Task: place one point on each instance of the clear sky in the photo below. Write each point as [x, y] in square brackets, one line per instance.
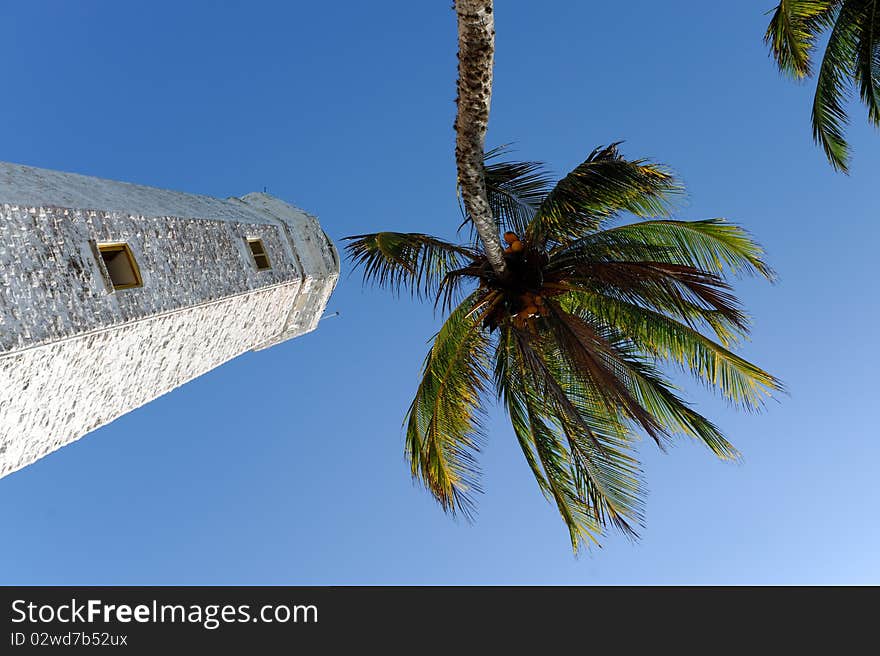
[286, 466]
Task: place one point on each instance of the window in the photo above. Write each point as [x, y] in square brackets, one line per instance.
[261, 259]
[120, 265]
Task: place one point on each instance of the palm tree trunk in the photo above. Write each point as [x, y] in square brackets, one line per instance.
[476, 53]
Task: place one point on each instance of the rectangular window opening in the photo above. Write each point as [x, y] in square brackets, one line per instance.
[261, 259]
[121, 265]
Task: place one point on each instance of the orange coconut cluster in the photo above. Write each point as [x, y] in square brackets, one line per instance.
[531, 303]
[514, 245]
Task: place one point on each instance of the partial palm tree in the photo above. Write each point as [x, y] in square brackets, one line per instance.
[574, 337]
[851, 58]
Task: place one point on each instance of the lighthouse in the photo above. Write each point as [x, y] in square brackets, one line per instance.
[112, 294]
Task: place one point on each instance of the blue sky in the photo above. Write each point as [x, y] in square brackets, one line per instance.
[286, 466]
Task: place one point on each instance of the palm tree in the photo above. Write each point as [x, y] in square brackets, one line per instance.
[852, 57]
[572, 337]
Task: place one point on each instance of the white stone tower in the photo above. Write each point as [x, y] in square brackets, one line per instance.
[112, 294]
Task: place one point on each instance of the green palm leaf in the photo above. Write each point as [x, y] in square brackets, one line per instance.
[542, 446]
[793, 31]
[603, 186]
[584, 347]
[650, 394]
[868, 59]
[444, 422]
[684, 292]
[600, 481]
[515, 190]
[833, 88]
[412, 261]
[657, 396]
[710, 244]
[655, 333]
[852, 56]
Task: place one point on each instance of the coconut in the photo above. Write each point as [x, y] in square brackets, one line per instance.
[510, 237]
[517, 246]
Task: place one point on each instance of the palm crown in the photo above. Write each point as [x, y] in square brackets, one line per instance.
[852, 56]
[572, 336]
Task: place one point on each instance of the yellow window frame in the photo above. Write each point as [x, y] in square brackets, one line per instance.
[259, 254]
[125, 249]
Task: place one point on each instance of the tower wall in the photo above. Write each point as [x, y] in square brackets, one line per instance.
[75, 353]
[54, 286]
[316, 256]
[52, 394]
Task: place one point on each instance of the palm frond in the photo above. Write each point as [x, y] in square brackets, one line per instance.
[652, 395]
[515, 190]
[585, 347]
[604, 185]
[868, 59]
[601, 443]
[793, 30]
[833, 88]
[450, 289]
[444, 424]
[508, 376]
[545, 453]
[657, 396]
[710, 245]
[660, 336]
[603, 479]
[681, 291]
[412, 261]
